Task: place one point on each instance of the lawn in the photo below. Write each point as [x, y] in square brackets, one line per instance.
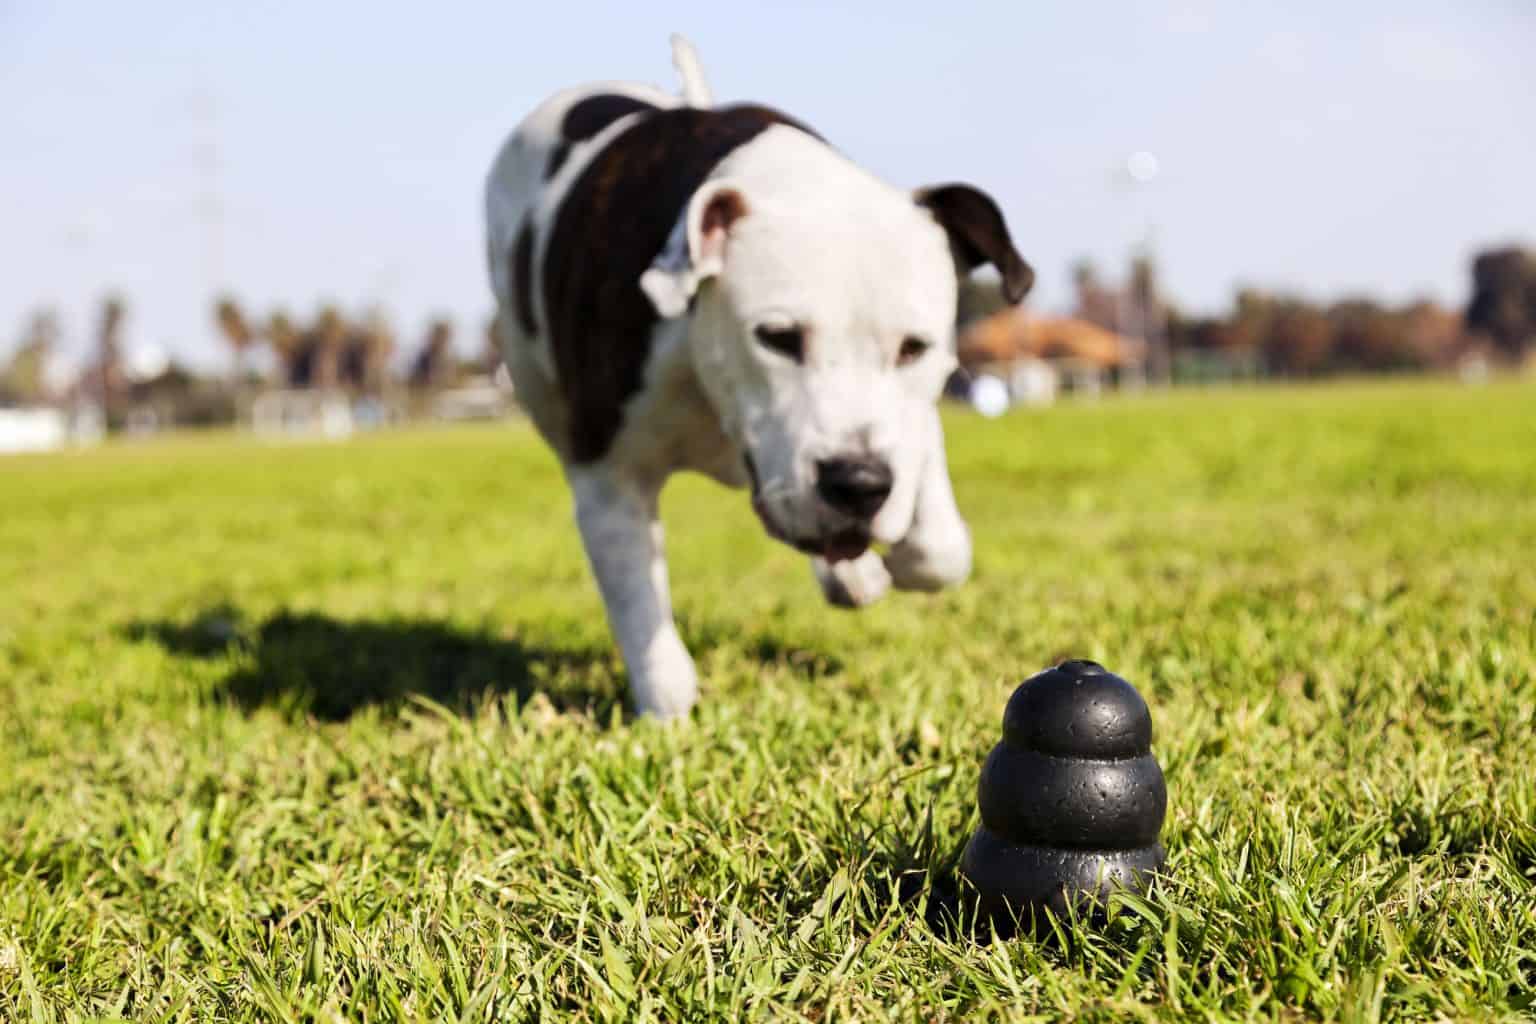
[336, 732]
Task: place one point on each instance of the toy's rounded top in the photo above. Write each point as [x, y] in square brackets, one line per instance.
[1078, 709]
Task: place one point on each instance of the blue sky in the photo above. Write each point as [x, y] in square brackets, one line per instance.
[302, 152]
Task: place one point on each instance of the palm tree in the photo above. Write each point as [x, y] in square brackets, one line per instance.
[376, 343]
[327, 337]
[109, 345]
[490, 359]
[25, 380]
[283, 338]
[236, 330]
[432, 366]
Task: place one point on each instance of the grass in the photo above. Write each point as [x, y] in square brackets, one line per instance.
[329, 733]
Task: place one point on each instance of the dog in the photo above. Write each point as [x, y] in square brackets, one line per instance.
[685, 286]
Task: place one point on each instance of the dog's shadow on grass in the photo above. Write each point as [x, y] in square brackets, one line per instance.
[307, 663]
[313, 664]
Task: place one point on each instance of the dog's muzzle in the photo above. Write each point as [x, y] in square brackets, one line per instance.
[856, 487]
[854, 490]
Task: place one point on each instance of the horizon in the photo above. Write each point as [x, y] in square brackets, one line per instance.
[292, 156]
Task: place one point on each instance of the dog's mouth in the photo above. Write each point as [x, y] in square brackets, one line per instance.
[839, 546]
[845, 545]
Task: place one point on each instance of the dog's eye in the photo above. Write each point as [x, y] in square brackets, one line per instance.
[911, 351]
[786, 341]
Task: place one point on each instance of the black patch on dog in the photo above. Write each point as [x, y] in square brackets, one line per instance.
[556, 160]
[610, 226]
[586, 118]
[522, 277]
[592, 114]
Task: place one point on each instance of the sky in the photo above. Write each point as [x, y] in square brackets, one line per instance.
[299, 153]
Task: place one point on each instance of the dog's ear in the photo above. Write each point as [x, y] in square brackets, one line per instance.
[695, 251]
[978, 234]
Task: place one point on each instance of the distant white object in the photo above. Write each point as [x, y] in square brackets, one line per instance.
[336, 417]
[480, 399]
[87, 424]
[989, 395]
[61, 370]
[146, 362]
[1141, 166]
[32, 430]
[502, 378]
[1474, 369]
[1034, 382]
[302, 414]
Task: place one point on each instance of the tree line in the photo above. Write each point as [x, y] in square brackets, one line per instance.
[329, 350]
[1283, 334]
[1295, 336]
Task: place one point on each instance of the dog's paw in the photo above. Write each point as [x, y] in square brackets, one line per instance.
[854, 582]
[930, 566]
[664, 685]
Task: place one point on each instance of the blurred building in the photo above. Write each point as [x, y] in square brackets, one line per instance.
[1040, 357]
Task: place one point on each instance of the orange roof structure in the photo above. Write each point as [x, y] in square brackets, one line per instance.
[1013, 334]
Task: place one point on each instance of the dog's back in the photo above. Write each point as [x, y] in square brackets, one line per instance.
[544, 154]
[523, 193]
[580, 201]
[537, 164]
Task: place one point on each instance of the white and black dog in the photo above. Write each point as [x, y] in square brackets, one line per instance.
[686, 286]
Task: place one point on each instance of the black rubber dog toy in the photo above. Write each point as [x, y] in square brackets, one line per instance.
[1072, 800]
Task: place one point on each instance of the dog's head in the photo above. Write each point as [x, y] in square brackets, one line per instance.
[822, 309]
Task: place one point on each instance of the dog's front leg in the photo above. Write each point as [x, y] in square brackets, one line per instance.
[622, 534]
[936, 552]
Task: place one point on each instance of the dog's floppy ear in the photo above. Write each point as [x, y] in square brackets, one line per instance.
[978, 234]
[695, 251]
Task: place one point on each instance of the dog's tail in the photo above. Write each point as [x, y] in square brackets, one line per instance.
[686, 59]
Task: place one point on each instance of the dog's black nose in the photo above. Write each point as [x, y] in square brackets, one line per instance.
[856, 486]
